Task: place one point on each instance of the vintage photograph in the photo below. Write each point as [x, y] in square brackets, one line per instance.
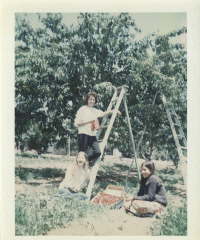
[101, 124]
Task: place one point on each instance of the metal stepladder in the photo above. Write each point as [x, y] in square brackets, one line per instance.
[118, 96]
[178, 135]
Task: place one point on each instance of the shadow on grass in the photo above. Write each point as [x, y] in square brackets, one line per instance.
[114, 175]
[171, 178]
[32, 173]
[34, 184]
[168, 171]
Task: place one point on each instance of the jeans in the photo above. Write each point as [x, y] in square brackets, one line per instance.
[67, 193]
[89, 145]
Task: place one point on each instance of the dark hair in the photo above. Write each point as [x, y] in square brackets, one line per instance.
[150, 165]
[88, 95]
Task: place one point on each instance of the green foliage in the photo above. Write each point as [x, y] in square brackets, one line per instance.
[56, 66]
[173, 222]
[37, 214]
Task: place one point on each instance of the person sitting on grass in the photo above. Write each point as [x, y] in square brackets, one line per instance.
[151, 198]
[76, 178]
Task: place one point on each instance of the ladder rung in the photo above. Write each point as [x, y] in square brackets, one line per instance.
[181, 136]
[183, 147]
[177, 124]
[124, 86]
[173, 113]
[114, 100]
[105, 126]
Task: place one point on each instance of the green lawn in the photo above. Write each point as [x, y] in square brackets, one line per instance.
[38, 211]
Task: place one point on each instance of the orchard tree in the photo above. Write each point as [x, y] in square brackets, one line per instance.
[42, 92]
[57, 65]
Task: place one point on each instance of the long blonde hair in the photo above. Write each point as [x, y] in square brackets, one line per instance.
[75, 163]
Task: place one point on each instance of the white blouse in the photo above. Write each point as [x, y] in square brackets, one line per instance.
[86, 114]
[76, 178]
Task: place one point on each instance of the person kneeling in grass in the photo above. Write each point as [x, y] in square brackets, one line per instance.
[76, 178]
[151, 198]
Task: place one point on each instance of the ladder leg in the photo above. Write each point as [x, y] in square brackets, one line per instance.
[132, 138]
[140, 140]
[180, 127]
[92, 179]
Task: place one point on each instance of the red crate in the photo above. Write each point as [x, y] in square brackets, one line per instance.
[111, 195]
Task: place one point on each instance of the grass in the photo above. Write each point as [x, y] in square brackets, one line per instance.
[36, 214]
[172, 223]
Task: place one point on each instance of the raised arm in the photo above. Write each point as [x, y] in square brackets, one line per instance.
[81, 123]
[108, 112]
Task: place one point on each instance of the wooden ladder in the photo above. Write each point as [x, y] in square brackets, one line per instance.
[178, 135]
[118, 96]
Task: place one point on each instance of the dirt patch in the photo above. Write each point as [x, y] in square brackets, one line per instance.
[112, 223]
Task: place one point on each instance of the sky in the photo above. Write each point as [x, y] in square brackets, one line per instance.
[147, 22]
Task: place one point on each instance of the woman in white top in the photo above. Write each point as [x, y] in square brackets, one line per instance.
[86, 121]
[76, 178]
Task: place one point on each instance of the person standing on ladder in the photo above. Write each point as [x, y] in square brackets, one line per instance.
[86, 121]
